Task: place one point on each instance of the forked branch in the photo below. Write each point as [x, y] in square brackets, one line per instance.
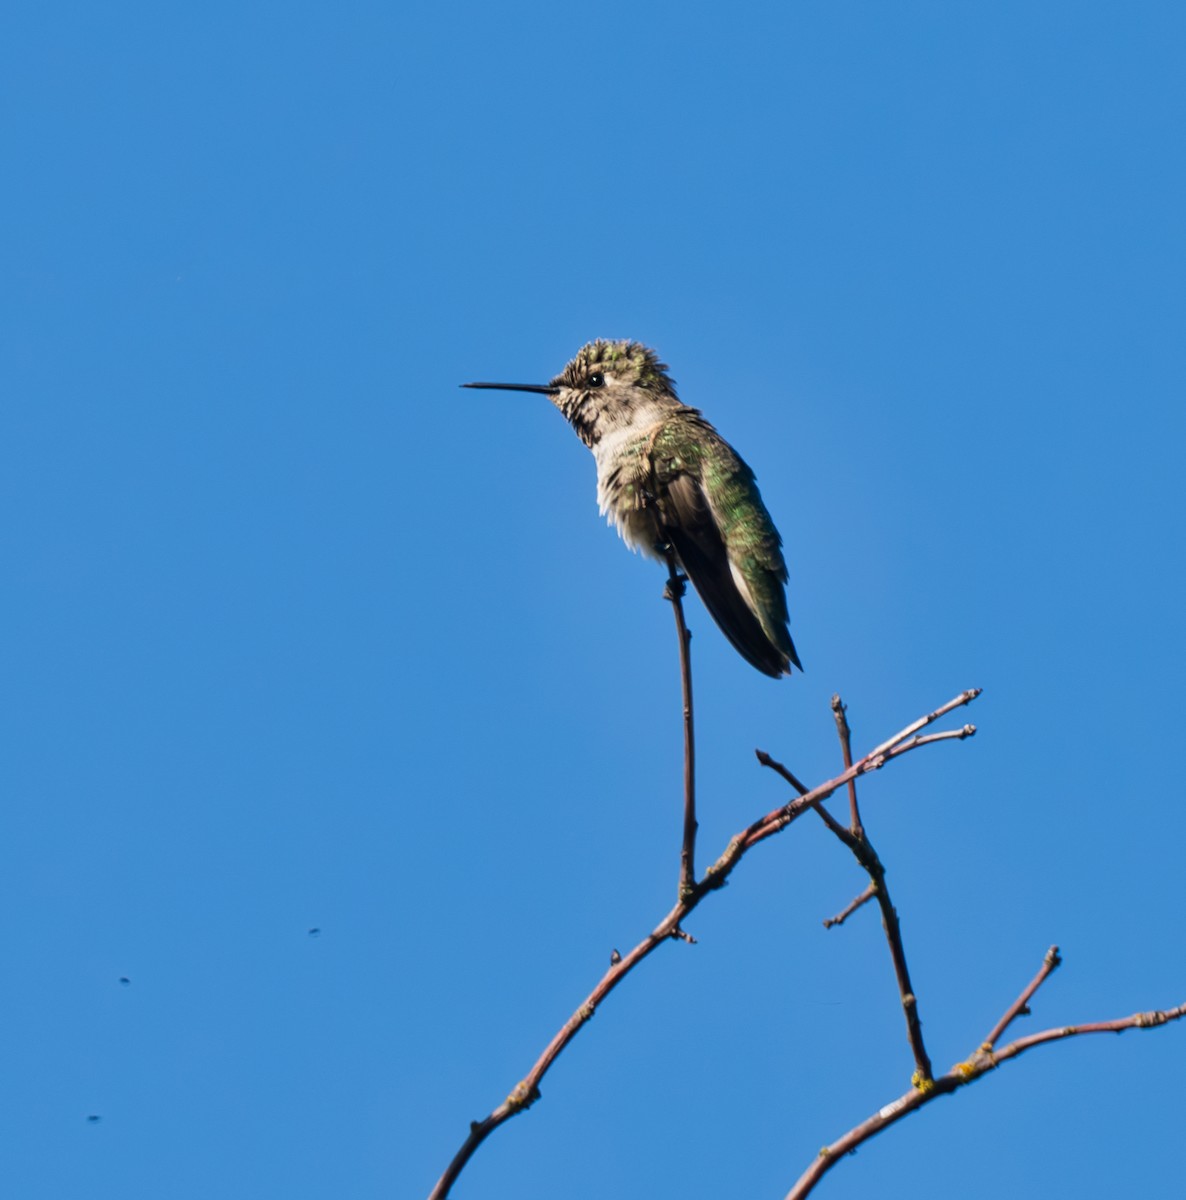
[526, 1092]
[862, 849]
[984, 1059]
[857, 840]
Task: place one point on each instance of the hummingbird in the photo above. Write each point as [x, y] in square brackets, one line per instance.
[672, 485]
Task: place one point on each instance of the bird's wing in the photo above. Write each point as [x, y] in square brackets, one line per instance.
[692, 528]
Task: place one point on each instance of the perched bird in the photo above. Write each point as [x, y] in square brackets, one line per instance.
[667, 479]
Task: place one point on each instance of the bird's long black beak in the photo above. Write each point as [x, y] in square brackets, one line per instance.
[547, 389]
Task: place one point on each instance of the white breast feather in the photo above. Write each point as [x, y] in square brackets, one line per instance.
[636, 526]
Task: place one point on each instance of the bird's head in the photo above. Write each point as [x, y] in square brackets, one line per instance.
[605, 380]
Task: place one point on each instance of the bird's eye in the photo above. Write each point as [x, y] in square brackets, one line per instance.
[597, 379]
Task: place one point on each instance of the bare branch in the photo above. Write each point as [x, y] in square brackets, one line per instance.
[893, 748]
[839, 711]
[526, 1092]
[949, 735]
[893, 935]
[865, 854]
[922, 722]
[851, 907]
[779, 769]
[829, 820]
[1020, 1006]
[687, 859]
[924, 1087]
[857, 840]
[980, 1063]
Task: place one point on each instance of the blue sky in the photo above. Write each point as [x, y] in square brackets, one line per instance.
[299, 635]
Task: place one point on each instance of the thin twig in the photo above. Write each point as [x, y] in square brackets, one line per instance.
[980, 1063]
[851, 907]
[839, 711]
[526, 1092]
[956, 735]
[777, 767]
[1020, 1006]
[895, 747]
[687, 858]
[922, 722]
[893, 935]
[858, 842]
